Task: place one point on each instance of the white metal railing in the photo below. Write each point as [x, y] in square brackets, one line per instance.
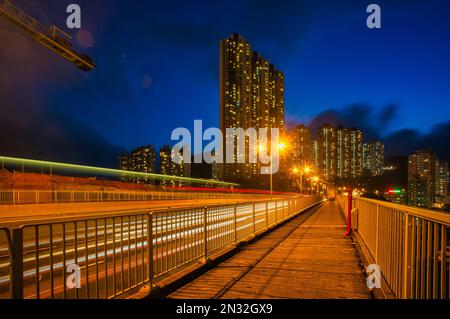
[115, 253]
[410, 245]
[23, 197]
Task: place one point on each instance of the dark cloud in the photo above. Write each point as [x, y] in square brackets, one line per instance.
[357, 115]
[375, 125]
[30, 127]
[388, 114]
[404, 142]
[34, 131]
[23, 61]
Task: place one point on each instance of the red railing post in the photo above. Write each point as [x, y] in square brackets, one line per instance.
[349, 212]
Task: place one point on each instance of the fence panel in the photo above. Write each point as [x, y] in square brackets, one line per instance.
[5, 263]
[106, 256]
[411, 246]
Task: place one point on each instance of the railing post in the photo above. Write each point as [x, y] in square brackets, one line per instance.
[205, 230]
[276, 211]
[349, 213]
[150, 249]
[17, 264]
[407, 261]
[290, 212]
[254, 219]
[377, 234]
[235, 222]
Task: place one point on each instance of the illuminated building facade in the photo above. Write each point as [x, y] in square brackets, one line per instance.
[251, 96]
[327, 151]
[343, 152]
[301, 148]
[373, 160]
[315, 153]
[396, 196]
[356, 152]
[170, 168]
[422, 179]
[442, 178]
[340, 152]
[140, 160]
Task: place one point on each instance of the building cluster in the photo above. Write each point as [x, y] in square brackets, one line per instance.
[337, 153]
[143, 160]
[428, 179]
[251, 96]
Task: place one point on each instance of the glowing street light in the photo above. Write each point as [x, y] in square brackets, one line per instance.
[261, 148]
[306, 170]
[281, 147]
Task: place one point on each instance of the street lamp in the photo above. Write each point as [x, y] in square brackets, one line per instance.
[304, 171]
[281, 147]
[315, 180]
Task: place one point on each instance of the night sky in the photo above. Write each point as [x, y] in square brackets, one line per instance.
[157, 69]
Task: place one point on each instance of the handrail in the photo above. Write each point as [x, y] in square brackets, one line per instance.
[23, 197]
[117, 253]
[410, 245]
[415, 211]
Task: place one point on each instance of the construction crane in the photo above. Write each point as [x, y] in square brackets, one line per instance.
[51, 37]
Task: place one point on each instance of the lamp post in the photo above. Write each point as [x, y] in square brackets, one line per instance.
[306, 171]
[281, 147]
[315, 180]
[296, 171]
[301, 172]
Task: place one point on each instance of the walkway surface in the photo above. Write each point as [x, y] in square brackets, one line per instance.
[315, 260]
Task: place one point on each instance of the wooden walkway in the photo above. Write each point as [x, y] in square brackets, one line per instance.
[315, 260]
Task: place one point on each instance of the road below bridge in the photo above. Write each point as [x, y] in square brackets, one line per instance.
[16, 215]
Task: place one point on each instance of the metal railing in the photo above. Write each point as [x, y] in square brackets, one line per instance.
[5, 261]
[410, 245]
[107, 256]
[24, 197]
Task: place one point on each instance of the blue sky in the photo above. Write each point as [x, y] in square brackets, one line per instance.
[157, 65]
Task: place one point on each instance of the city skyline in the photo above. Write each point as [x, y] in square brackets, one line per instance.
[224, 150]
[82, 109]
[251, 97]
